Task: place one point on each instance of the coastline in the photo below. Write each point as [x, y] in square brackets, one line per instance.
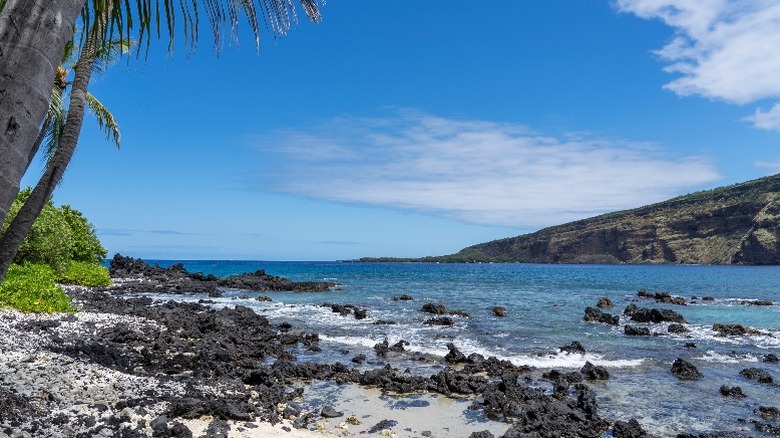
[193, 366]
[126, 366]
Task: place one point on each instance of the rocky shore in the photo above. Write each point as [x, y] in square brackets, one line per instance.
[129, 366]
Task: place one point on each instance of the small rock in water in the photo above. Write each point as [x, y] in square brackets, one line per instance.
[677, 328]
[734, 330]
[482, 434]
[762, 376]
[756, 302]
[604, 303]
[440, 320]
[359, 359]
[382, 425]
[329, 412]
[403, 297]
[768, 413]
[628, 429]
[436, 309]
[631, 330]
[770, 358]
[499, 311]
[574, 347]
[593, 372]
[593, 314]
[685, 370]
[732, 392]
[689, 345]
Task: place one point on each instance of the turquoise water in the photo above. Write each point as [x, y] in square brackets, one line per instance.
[545, 305]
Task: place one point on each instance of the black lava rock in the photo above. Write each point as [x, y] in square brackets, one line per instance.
[631, 330]
[735, 392]
[593, 314]
[762, 376]
[593, 372]
[628, 429]
[685, 370]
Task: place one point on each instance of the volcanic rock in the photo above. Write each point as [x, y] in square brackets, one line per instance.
[685, 370]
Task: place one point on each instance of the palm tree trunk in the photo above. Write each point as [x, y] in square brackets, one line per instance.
[33, 34]
[22, 223]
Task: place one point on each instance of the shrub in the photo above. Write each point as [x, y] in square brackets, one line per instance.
[57, 236]
[31, 288]
[86, 274]
[86, 246]
[49, 241]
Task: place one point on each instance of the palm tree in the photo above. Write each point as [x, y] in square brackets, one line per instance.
[34, 34]
[59, 154]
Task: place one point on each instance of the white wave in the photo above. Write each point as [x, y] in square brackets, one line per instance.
[421, 344]
[705, 333]
[713, 356]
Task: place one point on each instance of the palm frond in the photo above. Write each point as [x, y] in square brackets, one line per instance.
[106, 121]
[53, 135]
[142, 20]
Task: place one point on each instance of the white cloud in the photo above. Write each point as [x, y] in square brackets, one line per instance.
[723, 49]
[475, 171]
[769, 120]
[773, 165]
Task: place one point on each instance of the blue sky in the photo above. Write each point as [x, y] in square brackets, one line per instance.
[419, 128]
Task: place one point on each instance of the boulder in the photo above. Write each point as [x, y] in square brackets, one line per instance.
[593, 314]
[685, 370]
[574, 347]
[628, 429]
[639, 314]
[329, 412]
[604, 303]
[756, 302]
[436, 309]
[631, 330]
[770, 358]
[762, 376]
[677, 328]
[593, 372]
[768, 413]
[454, 356]
[735, 392]
[403, 297]
[439, 320]
[734, 330]
[499, 311]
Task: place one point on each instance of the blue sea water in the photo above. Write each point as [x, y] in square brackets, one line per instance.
[545, 305]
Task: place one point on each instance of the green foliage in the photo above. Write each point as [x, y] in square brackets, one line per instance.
[57, 237]
[86, 274]
[31, 288]
[86, 246]
[49, 241]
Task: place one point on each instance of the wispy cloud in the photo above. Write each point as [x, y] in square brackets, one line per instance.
[338, 242]
[773, 165]
[722, 49]
[131, 231]
[475, 171]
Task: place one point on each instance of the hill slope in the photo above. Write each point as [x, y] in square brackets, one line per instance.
[737, 224]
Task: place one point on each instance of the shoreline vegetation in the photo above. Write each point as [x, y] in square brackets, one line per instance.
[127, 365]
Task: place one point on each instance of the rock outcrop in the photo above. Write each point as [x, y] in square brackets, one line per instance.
[738, 224]
[135, 275]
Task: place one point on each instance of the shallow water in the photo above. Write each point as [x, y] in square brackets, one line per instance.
[545, 305]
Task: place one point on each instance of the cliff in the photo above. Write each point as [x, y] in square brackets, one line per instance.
[737, 224]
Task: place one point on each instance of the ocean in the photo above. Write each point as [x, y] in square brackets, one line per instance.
[545, 306]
